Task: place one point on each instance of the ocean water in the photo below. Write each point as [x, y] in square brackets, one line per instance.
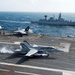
[13, 20]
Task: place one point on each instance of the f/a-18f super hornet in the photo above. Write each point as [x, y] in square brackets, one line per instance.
[30, 51]
[22, 32]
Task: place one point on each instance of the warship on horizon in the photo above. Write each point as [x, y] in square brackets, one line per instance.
[55, 22]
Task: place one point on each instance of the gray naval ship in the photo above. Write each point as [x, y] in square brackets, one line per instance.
[55, 22]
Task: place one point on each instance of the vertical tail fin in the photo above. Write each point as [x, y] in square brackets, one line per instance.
[25, 46]
[27, 28]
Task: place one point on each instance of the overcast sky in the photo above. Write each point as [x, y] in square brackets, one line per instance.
[38, 5]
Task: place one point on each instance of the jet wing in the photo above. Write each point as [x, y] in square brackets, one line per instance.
[22, 32]
[31, 52]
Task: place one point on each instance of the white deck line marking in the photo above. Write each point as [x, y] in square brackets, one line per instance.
[26, 73]
[6, 43]
[63, 47]
[16, 43]
[68, 73]
[4, 70]
[35, 67]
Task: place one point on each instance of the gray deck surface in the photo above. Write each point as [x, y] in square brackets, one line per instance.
[56, 60]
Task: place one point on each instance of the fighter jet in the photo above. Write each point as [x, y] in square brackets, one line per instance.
[22, 32]
[30, 51]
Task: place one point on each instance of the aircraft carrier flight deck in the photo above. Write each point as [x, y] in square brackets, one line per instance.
[61, 60]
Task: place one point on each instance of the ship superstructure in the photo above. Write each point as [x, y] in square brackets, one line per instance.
[52, 21]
